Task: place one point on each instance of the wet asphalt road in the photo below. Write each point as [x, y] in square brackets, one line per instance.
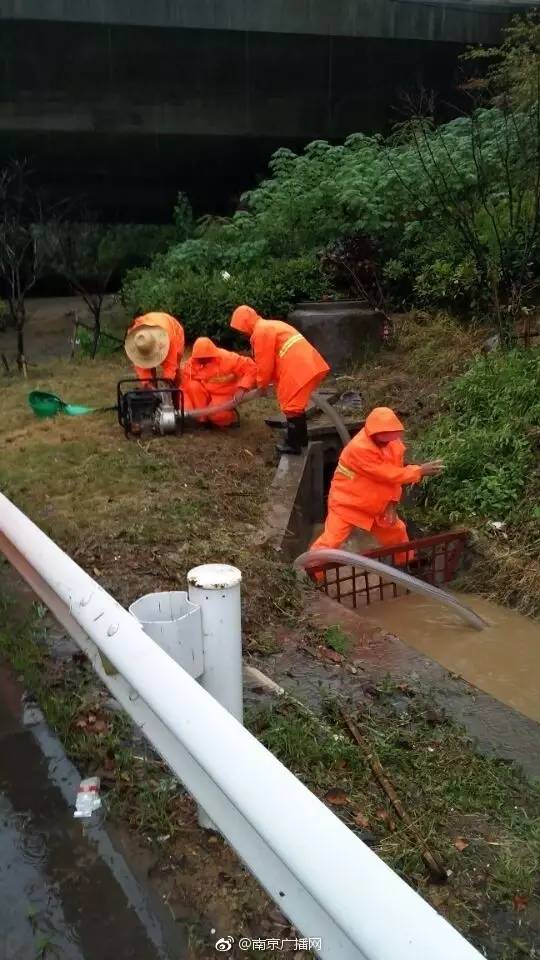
[66, 891]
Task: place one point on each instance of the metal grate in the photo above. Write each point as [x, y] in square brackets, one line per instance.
[436, 560]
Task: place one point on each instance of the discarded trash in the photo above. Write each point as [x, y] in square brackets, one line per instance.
[497, 527]
[88, 798]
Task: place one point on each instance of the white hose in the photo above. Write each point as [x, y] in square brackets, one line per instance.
[314, 558]
[222, 407]
[255, 395]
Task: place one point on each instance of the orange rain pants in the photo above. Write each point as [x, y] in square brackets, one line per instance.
[336, 531]
[283, 357]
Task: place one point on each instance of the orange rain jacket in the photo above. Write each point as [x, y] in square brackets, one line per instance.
[171, 365]
[368, 478]
[226, 373]
[217, 381]
[283, 357]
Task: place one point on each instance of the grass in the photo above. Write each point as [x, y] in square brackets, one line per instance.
[429, 353]
[142, 514]
[452, 793]
[336, 639]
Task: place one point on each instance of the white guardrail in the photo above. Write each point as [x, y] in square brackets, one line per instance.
[332, 887]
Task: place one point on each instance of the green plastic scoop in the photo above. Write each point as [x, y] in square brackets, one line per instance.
[48, 405]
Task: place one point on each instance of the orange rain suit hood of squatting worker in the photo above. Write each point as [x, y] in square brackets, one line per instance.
[285, 358]
[214, 375]
[367, 485]
[156, 340]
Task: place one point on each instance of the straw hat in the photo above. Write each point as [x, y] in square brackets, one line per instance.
[147, 346]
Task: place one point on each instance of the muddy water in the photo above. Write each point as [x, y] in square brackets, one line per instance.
[66, 890]
[502, 660]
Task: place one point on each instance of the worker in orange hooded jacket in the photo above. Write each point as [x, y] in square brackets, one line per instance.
[213, 376]
[285, 358]
[156, 340]
[367, 485]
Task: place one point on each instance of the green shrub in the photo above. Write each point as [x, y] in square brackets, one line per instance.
[205, 301]
[85, 344]
[487, 441]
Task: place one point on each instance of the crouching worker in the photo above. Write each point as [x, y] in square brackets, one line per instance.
[367, 485]
[156, 340]
[285, 358]
[213, 376]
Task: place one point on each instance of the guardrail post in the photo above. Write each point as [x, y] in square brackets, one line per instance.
[215, 588]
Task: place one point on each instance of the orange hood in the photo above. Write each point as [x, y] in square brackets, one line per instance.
[244, 319]
[204, 349]
[382, 420]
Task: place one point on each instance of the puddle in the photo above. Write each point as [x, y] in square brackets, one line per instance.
[502, 660]
[66, 890]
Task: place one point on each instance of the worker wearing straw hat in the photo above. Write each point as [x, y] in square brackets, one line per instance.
[156, 340]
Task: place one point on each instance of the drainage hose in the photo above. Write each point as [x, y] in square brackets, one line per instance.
[314, 558]
[322, 404]
[334, 416]
[222, 407]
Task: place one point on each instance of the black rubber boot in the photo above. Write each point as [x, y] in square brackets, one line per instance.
[302, 429]
[292, 443]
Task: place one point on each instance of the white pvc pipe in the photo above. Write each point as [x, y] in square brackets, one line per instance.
[369, 913]
[215, 588]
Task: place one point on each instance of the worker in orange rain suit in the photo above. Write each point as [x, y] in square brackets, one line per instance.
[286, 359]
[214, 375]
[367, 484]
[156, 340]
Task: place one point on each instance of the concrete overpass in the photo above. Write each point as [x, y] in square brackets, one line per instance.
[129, 100]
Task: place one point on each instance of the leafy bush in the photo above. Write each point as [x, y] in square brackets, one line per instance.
[486, 437]
[205, 301]
[85, 344]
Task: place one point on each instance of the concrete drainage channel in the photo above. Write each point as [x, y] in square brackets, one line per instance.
[352, 599]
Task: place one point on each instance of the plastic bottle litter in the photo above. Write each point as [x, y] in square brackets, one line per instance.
[88, 798]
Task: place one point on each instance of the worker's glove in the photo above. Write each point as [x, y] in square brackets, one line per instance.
[239, 395]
